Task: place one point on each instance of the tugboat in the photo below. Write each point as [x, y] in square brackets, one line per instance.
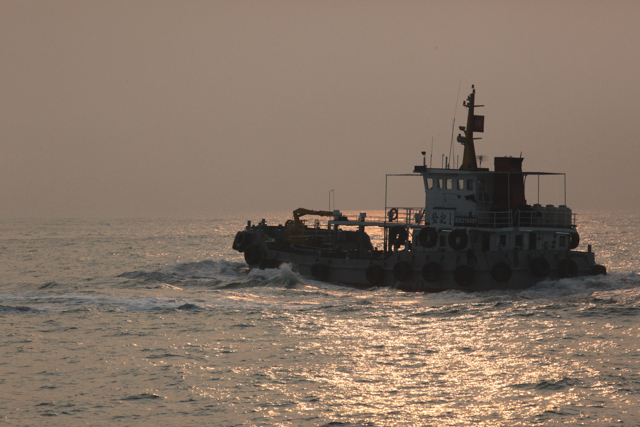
[475, 232]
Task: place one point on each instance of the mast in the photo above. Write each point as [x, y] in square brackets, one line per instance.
[474, 123]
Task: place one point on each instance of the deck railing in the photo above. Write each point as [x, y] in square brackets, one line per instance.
[546, 217]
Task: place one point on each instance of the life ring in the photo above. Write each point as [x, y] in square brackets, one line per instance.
[375, 274]
[598, 270]
[428, 237]
[241, 241]
[398, 235]
[393, 214]
[501, 272]
[458, 239]
[320, 271]
[402, 271]
[568, 268]
[253, 254]
[463, 275]
[431, 271]
[540, 267]
[574, 240]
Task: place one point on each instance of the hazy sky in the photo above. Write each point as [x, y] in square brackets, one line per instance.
[159, 108]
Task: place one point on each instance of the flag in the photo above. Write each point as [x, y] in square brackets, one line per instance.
[478, 123]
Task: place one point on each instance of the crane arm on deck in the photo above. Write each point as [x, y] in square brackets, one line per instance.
[302, 211]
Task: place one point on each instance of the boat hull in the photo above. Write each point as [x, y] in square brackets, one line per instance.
[457, 270]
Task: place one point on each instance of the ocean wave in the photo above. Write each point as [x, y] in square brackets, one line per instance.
[15, 309]
[143, 396]
[211, 285]
[217, 274]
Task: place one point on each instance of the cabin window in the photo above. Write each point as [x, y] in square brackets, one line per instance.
[440, 183]
[461, 184]
[443, 241]
[429, 183]
[469, 184]
[481, 185]
[449, 183]
[503, 240]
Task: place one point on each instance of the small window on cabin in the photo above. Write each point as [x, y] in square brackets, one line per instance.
[461, 184]
[429, 183]
[562, 241]
[443, 241]
[449, 183]
[481, 185]
[440, 183]
[469, 184]
[503, 240]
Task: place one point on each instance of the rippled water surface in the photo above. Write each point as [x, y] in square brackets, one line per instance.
[159, 322]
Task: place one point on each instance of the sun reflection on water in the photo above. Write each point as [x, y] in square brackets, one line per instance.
[392, 369]
[391, 359]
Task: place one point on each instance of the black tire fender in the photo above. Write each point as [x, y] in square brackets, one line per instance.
[431, 271]
[398, 235]
[501, 272]
[428, 237]
[540, 267]
[253, 255]
[266, 263]
[574, 240]
[402, 271]
[236, 240]
[463, 275]
[375, 274]
[458, 239]
[242, 240]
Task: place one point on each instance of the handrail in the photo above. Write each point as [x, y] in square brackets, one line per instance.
[556, 218]
[536, 219]
[416, 217]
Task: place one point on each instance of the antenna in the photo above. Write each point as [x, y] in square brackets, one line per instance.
[453, 125]
[431, 157]
[334, 199]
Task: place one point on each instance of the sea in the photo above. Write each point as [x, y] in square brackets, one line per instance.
[158, 322]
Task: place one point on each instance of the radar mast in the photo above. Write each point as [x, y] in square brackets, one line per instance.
[474, 123]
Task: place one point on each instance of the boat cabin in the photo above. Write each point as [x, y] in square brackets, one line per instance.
[483, 198]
